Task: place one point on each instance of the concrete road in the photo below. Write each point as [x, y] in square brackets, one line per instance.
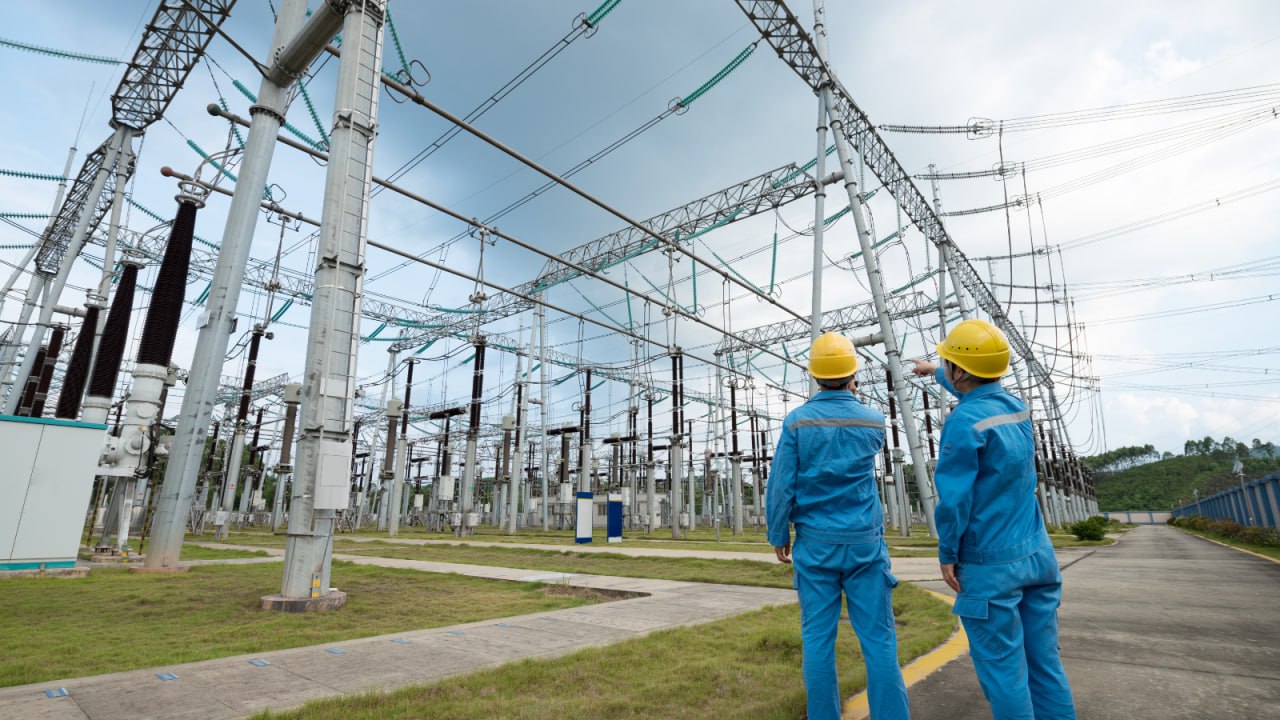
[1160, 625]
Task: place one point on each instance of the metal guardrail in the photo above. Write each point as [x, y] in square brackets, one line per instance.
[1253, 503]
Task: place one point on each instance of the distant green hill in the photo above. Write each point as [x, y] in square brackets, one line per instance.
[1159, 484]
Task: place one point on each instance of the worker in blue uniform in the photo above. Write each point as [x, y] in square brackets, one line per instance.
[993, 548]
[823, 482]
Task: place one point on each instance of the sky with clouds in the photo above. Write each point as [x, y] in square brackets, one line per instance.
[1149, 379]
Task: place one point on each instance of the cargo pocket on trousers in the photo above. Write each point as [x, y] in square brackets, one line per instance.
[991, 628]
[891, 582]
[968, 607]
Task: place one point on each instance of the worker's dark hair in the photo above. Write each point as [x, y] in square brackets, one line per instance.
[979, 380]
[834, 383]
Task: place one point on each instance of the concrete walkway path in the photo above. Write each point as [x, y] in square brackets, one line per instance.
[238, 686]
[1160, 625]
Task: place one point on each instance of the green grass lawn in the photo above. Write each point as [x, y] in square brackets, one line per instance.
[1070, 541]
[115, 620]
[747, 666]
[733, 572]
[1270, 551]
[920, 545]
[196, 552]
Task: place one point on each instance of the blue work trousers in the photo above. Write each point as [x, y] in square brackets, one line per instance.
[861, 571]
[1010, 613]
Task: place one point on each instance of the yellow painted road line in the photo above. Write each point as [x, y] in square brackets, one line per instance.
[958, 644]
[1233, 547]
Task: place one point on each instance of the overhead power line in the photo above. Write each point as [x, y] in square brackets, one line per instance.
[1188, 310]
[979, 127]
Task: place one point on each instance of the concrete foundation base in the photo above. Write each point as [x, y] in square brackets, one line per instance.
[159, 570]
[72, 572]
[334, 600]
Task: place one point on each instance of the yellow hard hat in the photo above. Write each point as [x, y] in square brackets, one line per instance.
[978, 348]
[832, 357]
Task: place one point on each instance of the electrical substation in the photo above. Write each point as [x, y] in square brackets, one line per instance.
[693, 402]
[288, 318]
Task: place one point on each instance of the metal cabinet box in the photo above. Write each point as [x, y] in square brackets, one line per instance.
[49, 466]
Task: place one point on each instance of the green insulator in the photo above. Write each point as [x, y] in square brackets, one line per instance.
[52, 52]
[304, 137]
[395, 40]
[283, 308]
[717, 224]
[222, 102]
[32, 176]
[244, 90]
[315, 117]
[200, 151]
[802, 170]
[689, 99]
[145, 211]
[836, 216]
[599, 13]
[737, 274]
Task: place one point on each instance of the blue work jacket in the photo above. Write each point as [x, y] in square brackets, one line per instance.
[986, 479]
[823, 476]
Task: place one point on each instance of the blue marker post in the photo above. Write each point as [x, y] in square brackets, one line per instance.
[614, 525]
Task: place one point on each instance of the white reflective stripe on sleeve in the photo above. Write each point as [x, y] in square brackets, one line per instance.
[838, 422]
[997, 420]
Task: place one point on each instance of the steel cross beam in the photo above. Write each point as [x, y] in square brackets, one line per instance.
[737, 202]
[780, 27]
[231, 389]
[58, 234]
[862, 314]
[174, 41]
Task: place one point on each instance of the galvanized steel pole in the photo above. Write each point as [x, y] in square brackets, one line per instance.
[218, 321]
[322, 482]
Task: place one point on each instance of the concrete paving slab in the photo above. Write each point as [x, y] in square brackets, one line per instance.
[37, 706]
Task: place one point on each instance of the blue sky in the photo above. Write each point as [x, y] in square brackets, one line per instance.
[916, 62]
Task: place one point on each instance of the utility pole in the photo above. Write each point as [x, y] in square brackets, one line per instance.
[650, 473]
[893, 356]
[674, 456]
[469, 516]
[402, 452]
[735, 456]
[218, 321]
[251, 477]
[284, 468]
[522, 417]
[322, 483]
[819, 215]
[387, 479]
[903, 499]
[237, 439]
[544, 391]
